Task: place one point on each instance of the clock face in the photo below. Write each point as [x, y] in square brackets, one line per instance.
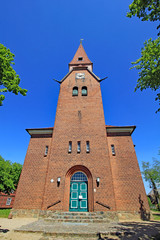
[80, 76]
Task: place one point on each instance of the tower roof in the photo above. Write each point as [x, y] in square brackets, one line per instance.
[80, 59]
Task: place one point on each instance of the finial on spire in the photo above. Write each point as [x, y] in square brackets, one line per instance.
[81, 40]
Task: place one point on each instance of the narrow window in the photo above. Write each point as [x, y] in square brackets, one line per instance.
[113, 150]
[75, 91]
[70, 147]
[84, 91]
[80, 59]
[46, 151]
[8, 201]
[87, 147]
[78, 147]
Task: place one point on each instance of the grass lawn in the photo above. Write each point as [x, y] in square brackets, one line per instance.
[156, 215]
[4, 213]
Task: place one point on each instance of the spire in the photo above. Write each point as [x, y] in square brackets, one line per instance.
[80, 59]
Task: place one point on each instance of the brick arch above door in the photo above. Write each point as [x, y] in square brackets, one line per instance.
[70, 172]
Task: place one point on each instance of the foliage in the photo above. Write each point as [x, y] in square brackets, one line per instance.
[149, 62]
[9, 80]
[145, 9]
[4, 213]
[9, 175]
[152, 175]
[149, 66]
[149, 202]
[151, 172]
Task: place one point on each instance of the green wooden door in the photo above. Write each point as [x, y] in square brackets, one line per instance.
[78, 194]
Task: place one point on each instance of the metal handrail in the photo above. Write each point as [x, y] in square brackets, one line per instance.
[104, 205]
[54, 204]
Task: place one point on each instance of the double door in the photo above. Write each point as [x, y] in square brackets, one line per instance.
[78, 197]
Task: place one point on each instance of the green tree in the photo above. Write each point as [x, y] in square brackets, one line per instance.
[145, 9]
[9, 175]
[149, 62]
[9, 80]
[152, 175]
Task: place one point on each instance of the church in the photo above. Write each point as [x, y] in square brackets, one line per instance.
[81, 164]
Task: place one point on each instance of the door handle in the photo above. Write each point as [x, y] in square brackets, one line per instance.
[80, 197]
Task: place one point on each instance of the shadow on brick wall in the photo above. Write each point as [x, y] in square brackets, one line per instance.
[143, 213]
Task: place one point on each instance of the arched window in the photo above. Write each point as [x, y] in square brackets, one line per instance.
[80, 177]
[75, 91]
[84, 91]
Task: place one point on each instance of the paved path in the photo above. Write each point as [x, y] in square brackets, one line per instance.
[8, 225]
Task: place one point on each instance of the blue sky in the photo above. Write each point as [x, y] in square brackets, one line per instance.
[44, 36]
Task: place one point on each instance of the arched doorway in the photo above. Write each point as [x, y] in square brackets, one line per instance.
[78, 193]
[69, 174]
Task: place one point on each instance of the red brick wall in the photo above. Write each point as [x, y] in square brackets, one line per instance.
[128, 184]
[79, 118]
[30, 189]
[3, 200]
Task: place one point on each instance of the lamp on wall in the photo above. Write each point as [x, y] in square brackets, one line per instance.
[58, 181]
[98, 180]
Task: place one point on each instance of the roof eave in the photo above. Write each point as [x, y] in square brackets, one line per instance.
[39, 131]
[120, 129]
[78, 63]
[80, 68]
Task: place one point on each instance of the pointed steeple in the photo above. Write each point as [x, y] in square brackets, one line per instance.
[80, 59]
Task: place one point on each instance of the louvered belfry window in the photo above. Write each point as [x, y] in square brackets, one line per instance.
[75, 91]
[84, 91]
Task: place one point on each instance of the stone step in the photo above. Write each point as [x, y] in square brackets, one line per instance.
[48, 232]
[83, 216]
[69, 238]
[60, 235]
[80, 220]
[72, 213]
[74, 217]
[77, 230]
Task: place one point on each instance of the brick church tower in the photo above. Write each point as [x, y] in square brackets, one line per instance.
[81, 164]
